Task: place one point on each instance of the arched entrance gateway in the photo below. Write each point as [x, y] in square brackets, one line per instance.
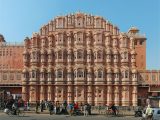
[83, 58]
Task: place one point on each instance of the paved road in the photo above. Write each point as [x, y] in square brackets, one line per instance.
[31, 116]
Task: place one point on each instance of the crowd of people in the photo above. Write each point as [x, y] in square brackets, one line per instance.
[74, 108]
[64, 108]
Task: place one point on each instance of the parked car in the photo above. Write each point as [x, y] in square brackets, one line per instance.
[156, 114]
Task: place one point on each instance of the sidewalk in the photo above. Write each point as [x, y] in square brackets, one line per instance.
[94, 112]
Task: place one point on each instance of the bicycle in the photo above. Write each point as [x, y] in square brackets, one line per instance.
[109, 112]
[20, 111]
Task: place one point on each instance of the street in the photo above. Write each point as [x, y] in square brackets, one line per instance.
[32, 116]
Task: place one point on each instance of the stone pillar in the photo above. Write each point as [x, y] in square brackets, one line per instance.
[116, 96]
[132, 43]
[75, 93]
[50, 93]
[33, 95]
[109, 95]
[134, 96]
[24, 93]
[125, 96]
[96, 95]
[42, 93]
[56, 94]
[70, 95]
[89, 96]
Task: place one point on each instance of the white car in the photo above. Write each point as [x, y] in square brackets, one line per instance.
[156, 114]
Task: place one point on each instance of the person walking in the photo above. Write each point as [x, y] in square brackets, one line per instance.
[114, 109]
[37, 105]
[76, 107]
[25, 105]
[70, 109]
[149, 113]
[65, 107]
[89, 109]
[28, 105]
[85, 110]
[50, 105]
[42, 106]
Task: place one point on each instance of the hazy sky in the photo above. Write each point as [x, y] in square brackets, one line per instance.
[20, 18]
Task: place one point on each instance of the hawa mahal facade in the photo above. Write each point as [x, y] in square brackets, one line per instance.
[84, 58]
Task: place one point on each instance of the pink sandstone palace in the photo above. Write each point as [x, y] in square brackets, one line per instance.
[83, 58]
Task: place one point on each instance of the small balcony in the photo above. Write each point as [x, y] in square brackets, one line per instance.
[79, 60]
[99, 81]
[80, 81]
[60, 81]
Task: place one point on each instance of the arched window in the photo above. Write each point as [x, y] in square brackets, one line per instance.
[50, 75]
[80, 73]
[98, 23]
[125, 74]
[59, 54]
[79, 22]
[125, 55]
[69, 20]
[75, 74]
[115, 56]
[108, 40]
[79, 37]
[100, 74]
[88, 20]
[26, 75]
[79, 54]
[89, 56]
[134, 75]
[125, 42]
[100, 55]
[108, 56]
[43, 74]
[95, 55]
[59, 74]
[60, 38]
[116, 75]
[33, 74]
[60, 23]
[99, 38]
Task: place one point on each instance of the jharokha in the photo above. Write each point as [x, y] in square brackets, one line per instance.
[84, 58]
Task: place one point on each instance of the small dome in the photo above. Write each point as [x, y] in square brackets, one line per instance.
[115, 51]
[133, 52]
[43, 51]
[69, 50]
[49, 69]
[69, 70]
[134, 28]
[49, 51]
[116, 70]
[134, 71]
[33, 68]
[109, 70]
[43, 69]
[108, 51]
